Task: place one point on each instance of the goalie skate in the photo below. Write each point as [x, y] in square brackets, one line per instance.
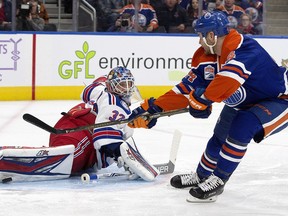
[137, 164]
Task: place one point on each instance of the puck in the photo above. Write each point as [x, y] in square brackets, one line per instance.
[6, 180]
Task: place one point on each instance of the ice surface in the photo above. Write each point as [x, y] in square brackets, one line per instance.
[258, 187]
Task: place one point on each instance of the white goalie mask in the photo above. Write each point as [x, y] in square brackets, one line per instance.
[120, 81]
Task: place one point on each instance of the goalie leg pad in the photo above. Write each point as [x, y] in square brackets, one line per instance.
[137, 164]
[36, 163]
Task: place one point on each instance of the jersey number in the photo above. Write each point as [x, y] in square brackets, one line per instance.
[191, 76]
[116, 116]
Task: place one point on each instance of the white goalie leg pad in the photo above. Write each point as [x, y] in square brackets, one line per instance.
[137, 164]
[36, 163]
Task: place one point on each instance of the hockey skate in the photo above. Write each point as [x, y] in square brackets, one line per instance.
[206, 191]
[185, 180]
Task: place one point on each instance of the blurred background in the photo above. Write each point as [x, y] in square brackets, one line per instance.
[254, 17]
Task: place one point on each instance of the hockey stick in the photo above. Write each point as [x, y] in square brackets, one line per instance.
[39, 123]
[169, 167]
[164, 168]
[87, 177]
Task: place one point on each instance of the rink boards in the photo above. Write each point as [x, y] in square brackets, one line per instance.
[58, 66]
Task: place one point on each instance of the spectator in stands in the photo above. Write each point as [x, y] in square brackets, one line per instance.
[146, 21]
[43, 12]
[126, 24]
[5, 15]
[108, 11]
[232, 11]
[185, 3]
[193, 11]
[249, 3]
[218, 3]
[173, 17]
[207, 5]
[246, 26]
[255, 9]
[28, 17]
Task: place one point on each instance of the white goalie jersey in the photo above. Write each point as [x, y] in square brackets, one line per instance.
[107, 107]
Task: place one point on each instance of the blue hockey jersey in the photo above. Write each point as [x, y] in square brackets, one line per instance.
[243, 75]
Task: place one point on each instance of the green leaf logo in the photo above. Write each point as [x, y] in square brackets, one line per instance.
[85, 54]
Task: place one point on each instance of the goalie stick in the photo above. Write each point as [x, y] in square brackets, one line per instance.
[39, 123]
[164, 168]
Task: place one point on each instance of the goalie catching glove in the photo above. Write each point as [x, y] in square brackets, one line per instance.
[198, 106]
[138, 118]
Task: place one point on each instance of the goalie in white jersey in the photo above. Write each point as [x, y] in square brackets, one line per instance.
[108, 99]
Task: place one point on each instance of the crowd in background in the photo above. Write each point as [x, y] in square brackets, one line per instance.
[31, 15]
[164, 16]
[174, 16]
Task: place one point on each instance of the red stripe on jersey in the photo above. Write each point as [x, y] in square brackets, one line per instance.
[112, 99]
[86, 92]
[234, 69]
[107, 132]
[89, 89]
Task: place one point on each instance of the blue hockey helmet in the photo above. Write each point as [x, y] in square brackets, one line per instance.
[215, 21]
[120, 81]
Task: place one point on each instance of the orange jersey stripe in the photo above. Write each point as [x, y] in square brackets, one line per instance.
[204, 161]
[172, 101]
[230, 44]
[221, 88]
[230, 151]
[235, 8]
[235, 69]
[183, 88]
[270, 128]
[200, 57]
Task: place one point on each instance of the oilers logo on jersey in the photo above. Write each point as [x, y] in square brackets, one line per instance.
[236, 98]
[142, 20]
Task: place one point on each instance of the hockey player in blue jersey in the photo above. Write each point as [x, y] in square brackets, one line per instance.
[234, 69]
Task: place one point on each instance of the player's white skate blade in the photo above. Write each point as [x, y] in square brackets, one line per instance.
[192, 199]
